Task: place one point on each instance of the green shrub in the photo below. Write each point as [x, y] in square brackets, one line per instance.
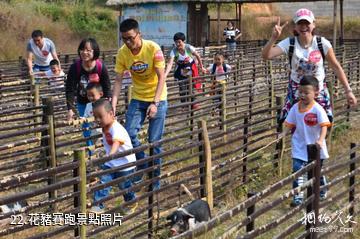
[53, 11]
[89, 22]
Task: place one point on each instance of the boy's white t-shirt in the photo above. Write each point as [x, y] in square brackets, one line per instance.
[219, 71]
[50, 74]
[308, 125]
[306, 61]
[118, 133]
[89, 113]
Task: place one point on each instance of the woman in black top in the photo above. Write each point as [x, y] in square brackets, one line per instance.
[85, 70]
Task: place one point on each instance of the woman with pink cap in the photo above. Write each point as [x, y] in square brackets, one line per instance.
[307, 53]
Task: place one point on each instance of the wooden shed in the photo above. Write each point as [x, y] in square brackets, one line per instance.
[161, 19]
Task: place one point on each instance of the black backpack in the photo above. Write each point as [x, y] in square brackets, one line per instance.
[214, 68]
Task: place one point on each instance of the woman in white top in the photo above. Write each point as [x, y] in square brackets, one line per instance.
[306, 52]
[183, 55]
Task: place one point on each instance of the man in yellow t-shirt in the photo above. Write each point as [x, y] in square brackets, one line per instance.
[145, 60]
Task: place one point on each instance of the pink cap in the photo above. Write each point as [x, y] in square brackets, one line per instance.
[304, 14]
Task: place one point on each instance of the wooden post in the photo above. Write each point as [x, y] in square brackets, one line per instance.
[348, 75]
[238, 80]
[208, 164]
[201, 161]
[24, 69]
[334, 24]
[250, 210]
[352, 181]
[235, 83]
[48, 119]
[280, 145]
[245, 147]
[341, 23]
[1, 73]
[223, 109]
[82, 173]
[358, 69]
[271, 91]
[119, 19]
[240, 13]
[190, 97]
[313, 155]
[218, 23]
[151, 195]
[251, 90]
[67, 58]
[79, 155]
[35, 89]
[331, 88]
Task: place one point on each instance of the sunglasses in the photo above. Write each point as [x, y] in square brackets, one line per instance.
[127, 39]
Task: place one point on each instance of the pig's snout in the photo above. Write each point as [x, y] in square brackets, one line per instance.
[173, 231]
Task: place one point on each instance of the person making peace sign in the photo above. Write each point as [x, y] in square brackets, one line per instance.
[307, 53]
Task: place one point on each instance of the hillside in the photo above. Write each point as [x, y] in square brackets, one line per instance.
[66, 22]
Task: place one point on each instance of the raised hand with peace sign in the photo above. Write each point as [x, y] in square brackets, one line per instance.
[276, 33]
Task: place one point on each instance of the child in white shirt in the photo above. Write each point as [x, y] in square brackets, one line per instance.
[55, 75]
[219, 69]
[310, 122]
[115, 140]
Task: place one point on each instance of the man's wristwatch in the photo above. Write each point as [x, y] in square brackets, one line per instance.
[156, 103]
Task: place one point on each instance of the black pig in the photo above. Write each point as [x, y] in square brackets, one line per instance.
[185, 218]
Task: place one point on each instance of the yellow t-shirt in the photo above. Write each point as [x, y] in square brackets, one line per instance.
[142, 68]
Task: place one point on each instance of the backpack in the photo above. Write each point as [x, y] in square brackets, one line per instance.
[292, 46]
[98, 67]
[214, 68]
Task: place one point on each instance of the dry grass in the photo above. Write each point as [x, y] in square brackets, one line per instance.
[340, 146]
[19, 18]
